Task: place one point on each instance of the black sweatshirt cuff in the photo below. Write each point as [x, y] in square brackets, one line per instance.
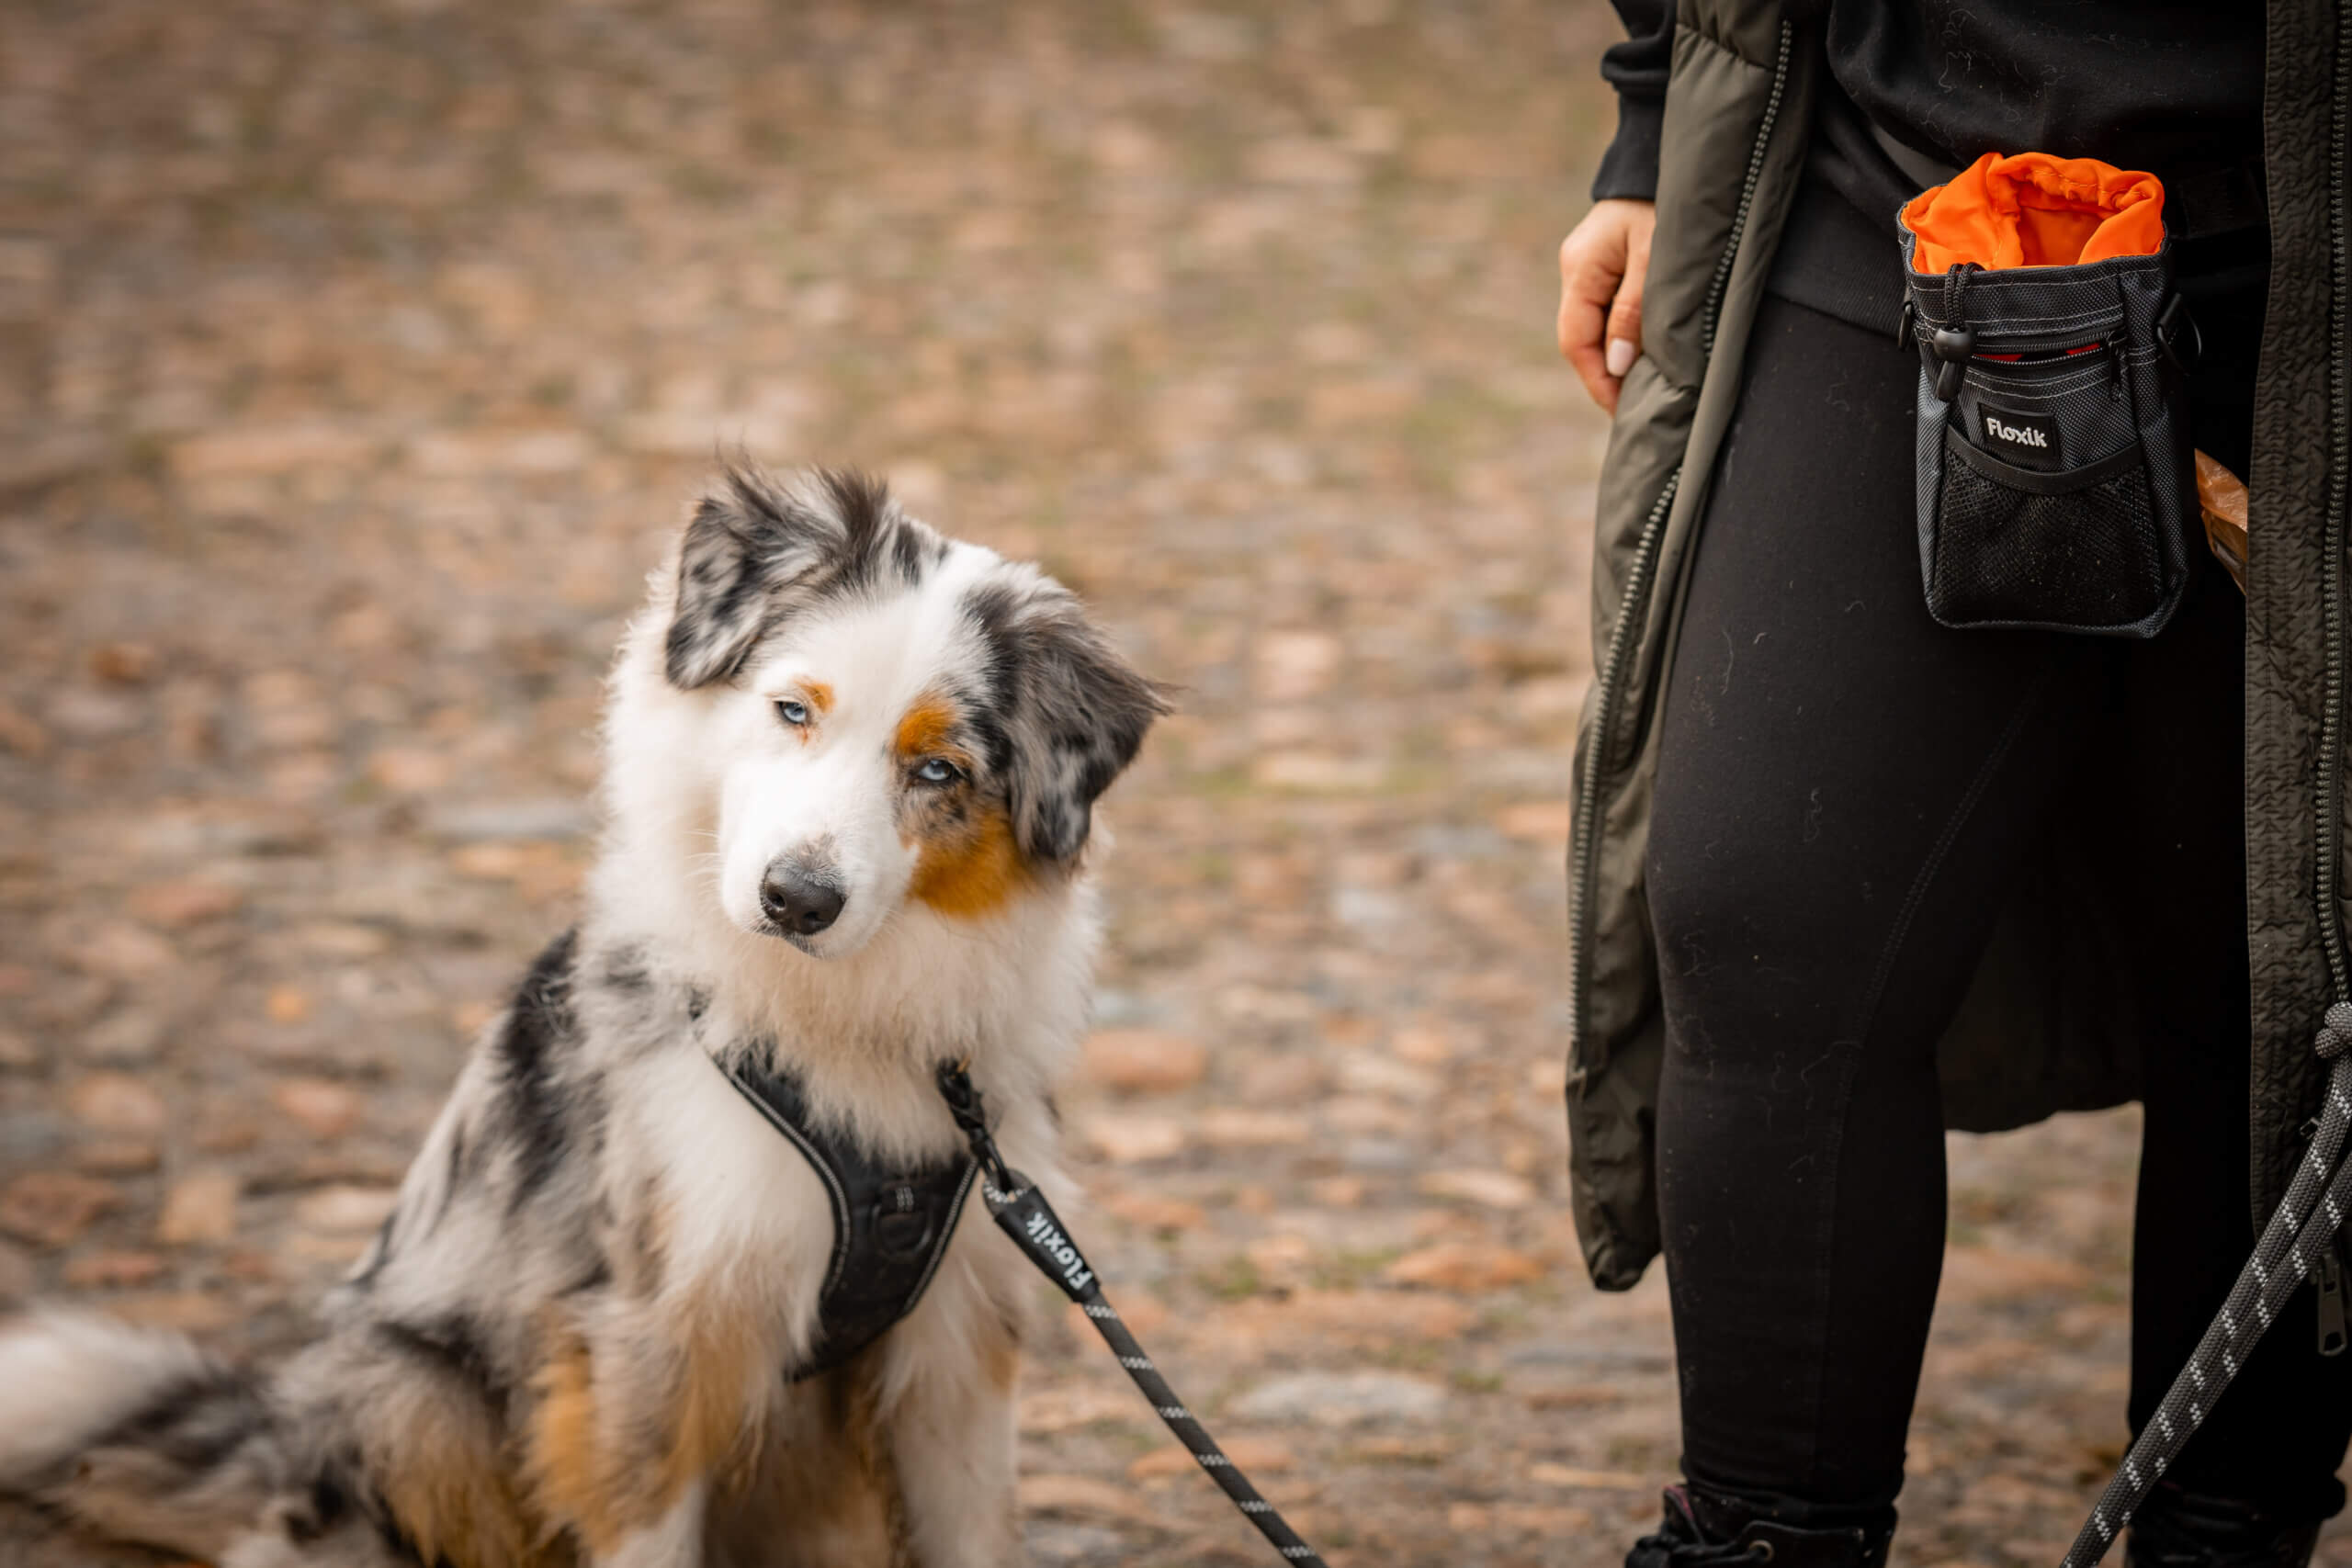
[1630, 167]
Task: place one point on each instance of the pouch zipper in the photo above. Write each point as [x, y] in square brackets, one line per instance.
[1633, 605]
[1956, 345]
[2077, 338]
[2053, 358]
[2077, 335]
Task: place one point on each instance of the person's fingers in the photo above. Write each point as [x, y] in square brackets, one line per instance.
[1603, 264]
[1581, 343]
[1625, 330]
[1587, 286]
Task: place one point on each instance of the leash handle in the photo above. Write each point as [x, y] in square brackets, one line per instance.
[1022, 1212]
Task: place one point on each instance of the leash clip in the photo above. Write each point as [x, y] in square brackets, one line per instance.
[963, 1098]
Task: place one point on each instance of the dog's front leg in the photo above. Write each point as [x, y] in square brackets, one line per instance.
[955, 1447]
[674, 1541]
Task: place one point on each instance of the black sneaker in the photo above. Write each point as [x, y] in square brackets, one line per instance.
[2179, 1528]
[1703, 1528]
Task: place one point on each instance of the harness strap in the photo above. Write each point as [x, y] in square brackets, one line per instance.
[891, 1226]
[1022, 1212]
[2298, 1243]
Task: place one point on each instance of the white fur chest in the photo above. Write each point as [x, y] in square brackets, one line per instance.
[741, 1215]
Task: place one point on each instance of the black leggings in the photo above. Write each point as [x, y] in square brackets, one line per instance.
[1847, 792]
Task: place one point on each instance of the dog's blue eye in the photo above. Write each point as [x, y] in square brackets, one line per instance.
[938, 771]
[795, 714]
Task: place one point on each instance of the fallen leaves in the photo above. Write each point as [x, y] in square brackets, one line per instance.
[201, 1207]
[1489, 1189]
[1133, 1139]
[50, 1208]
[1144, 1061]
[117, 1103]
[321, 1107]
[1259, 1456]
[1464, 1267]
[1085, 1498]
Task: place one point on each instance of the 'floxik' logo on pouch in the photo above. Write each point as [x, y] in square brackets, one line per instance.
[2014, 434]
[2024, 435]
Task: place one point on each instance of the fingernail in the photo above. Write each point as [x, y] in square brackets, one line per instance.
[1621, 356]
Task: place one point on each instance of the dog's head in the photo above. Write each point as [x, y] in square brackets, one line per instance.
[892, 718]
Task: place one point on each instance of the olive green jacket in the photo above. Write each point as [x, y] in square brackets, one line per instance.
[2048, 1023]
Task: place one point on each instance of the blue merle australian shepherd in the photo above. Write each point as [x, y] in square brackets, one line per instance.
[850, 767]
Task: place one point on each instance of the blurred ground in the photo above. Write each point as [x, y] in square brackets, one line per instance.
[354, 360]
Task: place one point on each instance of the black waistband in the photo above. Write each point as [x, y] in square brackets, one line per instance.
[1837, 253]
[1845, 262]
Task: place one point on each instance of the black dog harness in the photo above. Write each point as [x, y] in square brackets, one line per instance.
[891, 1226]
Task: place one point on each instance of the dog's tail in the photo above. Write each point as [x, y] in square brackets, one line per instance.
[136, 1432]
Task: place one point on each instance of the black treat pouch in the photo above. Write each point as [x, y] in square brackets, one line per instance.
[2055, 486]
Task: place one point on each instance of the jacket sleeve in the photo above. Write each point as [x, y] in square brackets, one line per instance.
[1637, 69]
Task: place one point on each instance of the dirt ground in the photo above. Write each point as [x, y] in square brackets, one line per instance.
[354, 361]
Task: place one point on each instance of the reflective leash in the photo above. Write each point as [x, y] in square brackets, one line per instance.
[2296, 1245]
[1022, 1214]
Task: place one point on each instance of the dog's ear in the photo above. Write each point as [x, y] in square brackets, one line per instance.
[747, 540]
[1079, 714]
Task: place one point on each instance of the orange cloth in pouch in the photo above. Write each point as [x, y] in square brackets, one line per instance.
[2033, 210]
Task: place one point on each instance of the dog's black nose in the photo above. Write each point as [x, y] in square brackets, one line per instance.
[799, 902]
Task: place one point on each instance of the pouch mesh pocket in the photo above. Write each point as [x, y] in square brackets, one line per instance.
[2055, 491]
[2089, 556]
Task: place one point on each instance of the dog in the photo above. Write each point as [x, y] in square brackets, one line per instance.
[850, 772]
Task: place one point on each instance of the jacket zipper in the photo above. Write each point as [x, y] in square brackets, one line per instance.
[1722, 279]
[1583, 859]
[1633, 605]
[2330, 791]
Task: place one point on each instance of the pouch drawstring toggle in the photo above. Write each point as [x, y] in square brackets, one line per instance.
[1954, 345]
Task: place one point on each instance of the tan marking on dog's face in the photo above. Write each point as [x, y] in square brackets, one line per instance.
[968, 864]
[970, 870]
[817, 697]
[928, 730]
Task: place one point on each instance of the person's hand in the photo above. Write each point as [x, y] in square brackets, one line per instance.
[1602, 265]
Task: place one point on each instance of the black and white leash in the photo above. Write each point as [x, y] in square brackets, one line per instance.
[2295, 1244]
[1022, 1212]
